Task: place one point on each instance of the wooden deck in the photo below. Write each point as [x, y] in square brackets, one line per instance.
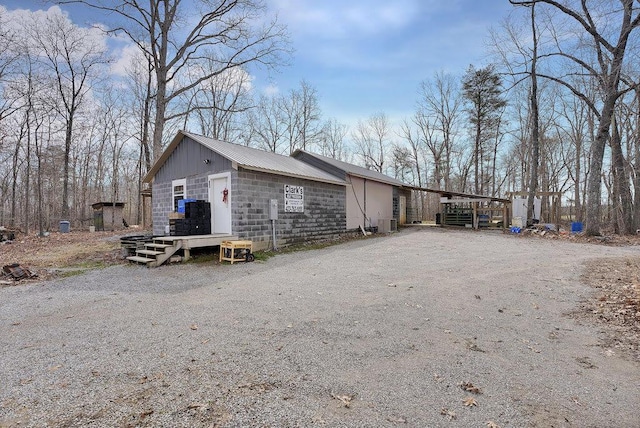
[163, 247]
[198, 241]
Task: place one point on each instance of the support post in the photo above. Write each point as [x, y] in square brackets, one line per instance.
[475, 214]
[273, 228]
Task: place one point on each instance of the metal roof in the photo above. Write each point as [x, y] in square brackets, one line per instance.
[378, 176]
[250, 158]
[356, 170]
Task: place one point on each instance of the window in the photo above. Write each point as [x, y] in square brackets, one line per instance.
[179, 191]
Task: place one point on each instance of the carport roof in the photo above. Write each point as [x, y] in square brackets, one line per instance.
[249, 158]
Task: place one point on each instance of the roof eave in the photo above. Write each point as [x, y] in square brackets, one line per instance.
[304, 177]
[389, 182]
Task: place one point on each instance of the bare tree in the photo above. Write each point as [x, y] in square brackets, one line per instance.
[267, 124]
[412, 135]
[403, 163]
[307, 124]
[177, 34]
[72, 55]
[218, 106]
[440, 103]
[535, 116]
[598, 51]
[332, 139]
[576, 117]
[371, 138]
[141, 104]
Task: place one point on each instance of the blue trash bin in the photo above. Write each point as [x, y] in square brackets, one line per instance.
[576, 227]
[64, 226]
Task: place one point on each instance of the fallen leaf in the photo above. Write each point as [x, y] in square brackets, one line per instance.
[491, 424]
[145, 414]
[470, 402]
[345, 399]
[449, 413]
[194, 326]
[468, 386]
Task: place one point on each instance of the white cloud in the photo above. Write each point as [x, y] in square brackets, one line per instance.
[271, 90]
[123, 59]
[339, 19]
[32, 25]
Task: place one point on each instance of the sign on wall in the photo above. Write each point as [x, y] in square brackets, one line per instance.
[293, 199]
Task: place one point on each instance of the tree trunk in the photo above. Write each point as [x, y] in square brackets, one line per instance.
[622, 204]
[535, 123]
[578, 171]
[476, 159]
[636, 158]
[158, 125]
[594, 183]
[67, 158]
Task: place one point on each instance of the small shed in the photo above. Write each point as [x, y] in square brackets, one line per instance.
[108, 215]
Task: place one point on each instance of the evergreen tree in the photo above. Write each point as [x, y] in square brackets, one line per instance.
[482, 91]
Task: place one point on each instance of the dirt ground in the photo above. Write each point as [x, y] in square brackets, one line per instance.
[615, 302]
[50, 256]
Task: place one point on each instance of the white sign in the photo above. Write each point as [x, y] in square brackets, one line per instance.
[293, 199]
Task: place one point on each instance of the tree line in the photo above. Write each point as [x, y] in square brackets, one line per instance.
[555, 110]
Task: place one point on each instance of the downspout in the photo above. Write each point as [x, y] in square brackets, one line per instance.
[364, 187]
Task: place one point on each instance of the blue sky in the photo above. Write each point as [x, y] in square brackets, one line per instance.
[368, 56]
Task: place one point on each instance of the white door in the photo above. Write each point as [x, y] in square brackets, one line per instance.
[220, 199]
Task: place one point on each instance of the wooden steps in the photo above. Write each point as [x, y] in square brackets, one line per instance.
[156, 245]
[138, 259]
[161, 248]
[155, 253]
[149, 252]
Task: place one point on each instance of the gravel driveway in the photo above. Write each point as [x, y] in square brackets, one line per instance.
[423, 328]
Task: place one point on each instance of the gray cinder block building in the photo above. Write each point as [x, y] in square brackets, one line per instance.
[247, 187]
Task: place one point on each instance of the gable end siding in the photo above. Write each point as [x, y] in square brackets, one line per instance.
[188, 160]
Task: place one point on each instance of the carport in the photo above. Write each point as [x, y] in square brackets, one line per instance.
[469, 210]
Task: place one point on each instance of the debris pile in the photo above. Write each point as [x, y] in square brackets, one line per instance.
[17, 272]
[7, 235]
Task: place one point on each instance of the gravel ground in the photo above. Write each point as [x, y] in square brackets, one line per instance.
[371, 333]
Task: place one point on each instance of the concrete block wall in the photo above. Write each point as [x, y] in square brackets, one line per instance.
[197, 188]
[324, 213]
[162, 205]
